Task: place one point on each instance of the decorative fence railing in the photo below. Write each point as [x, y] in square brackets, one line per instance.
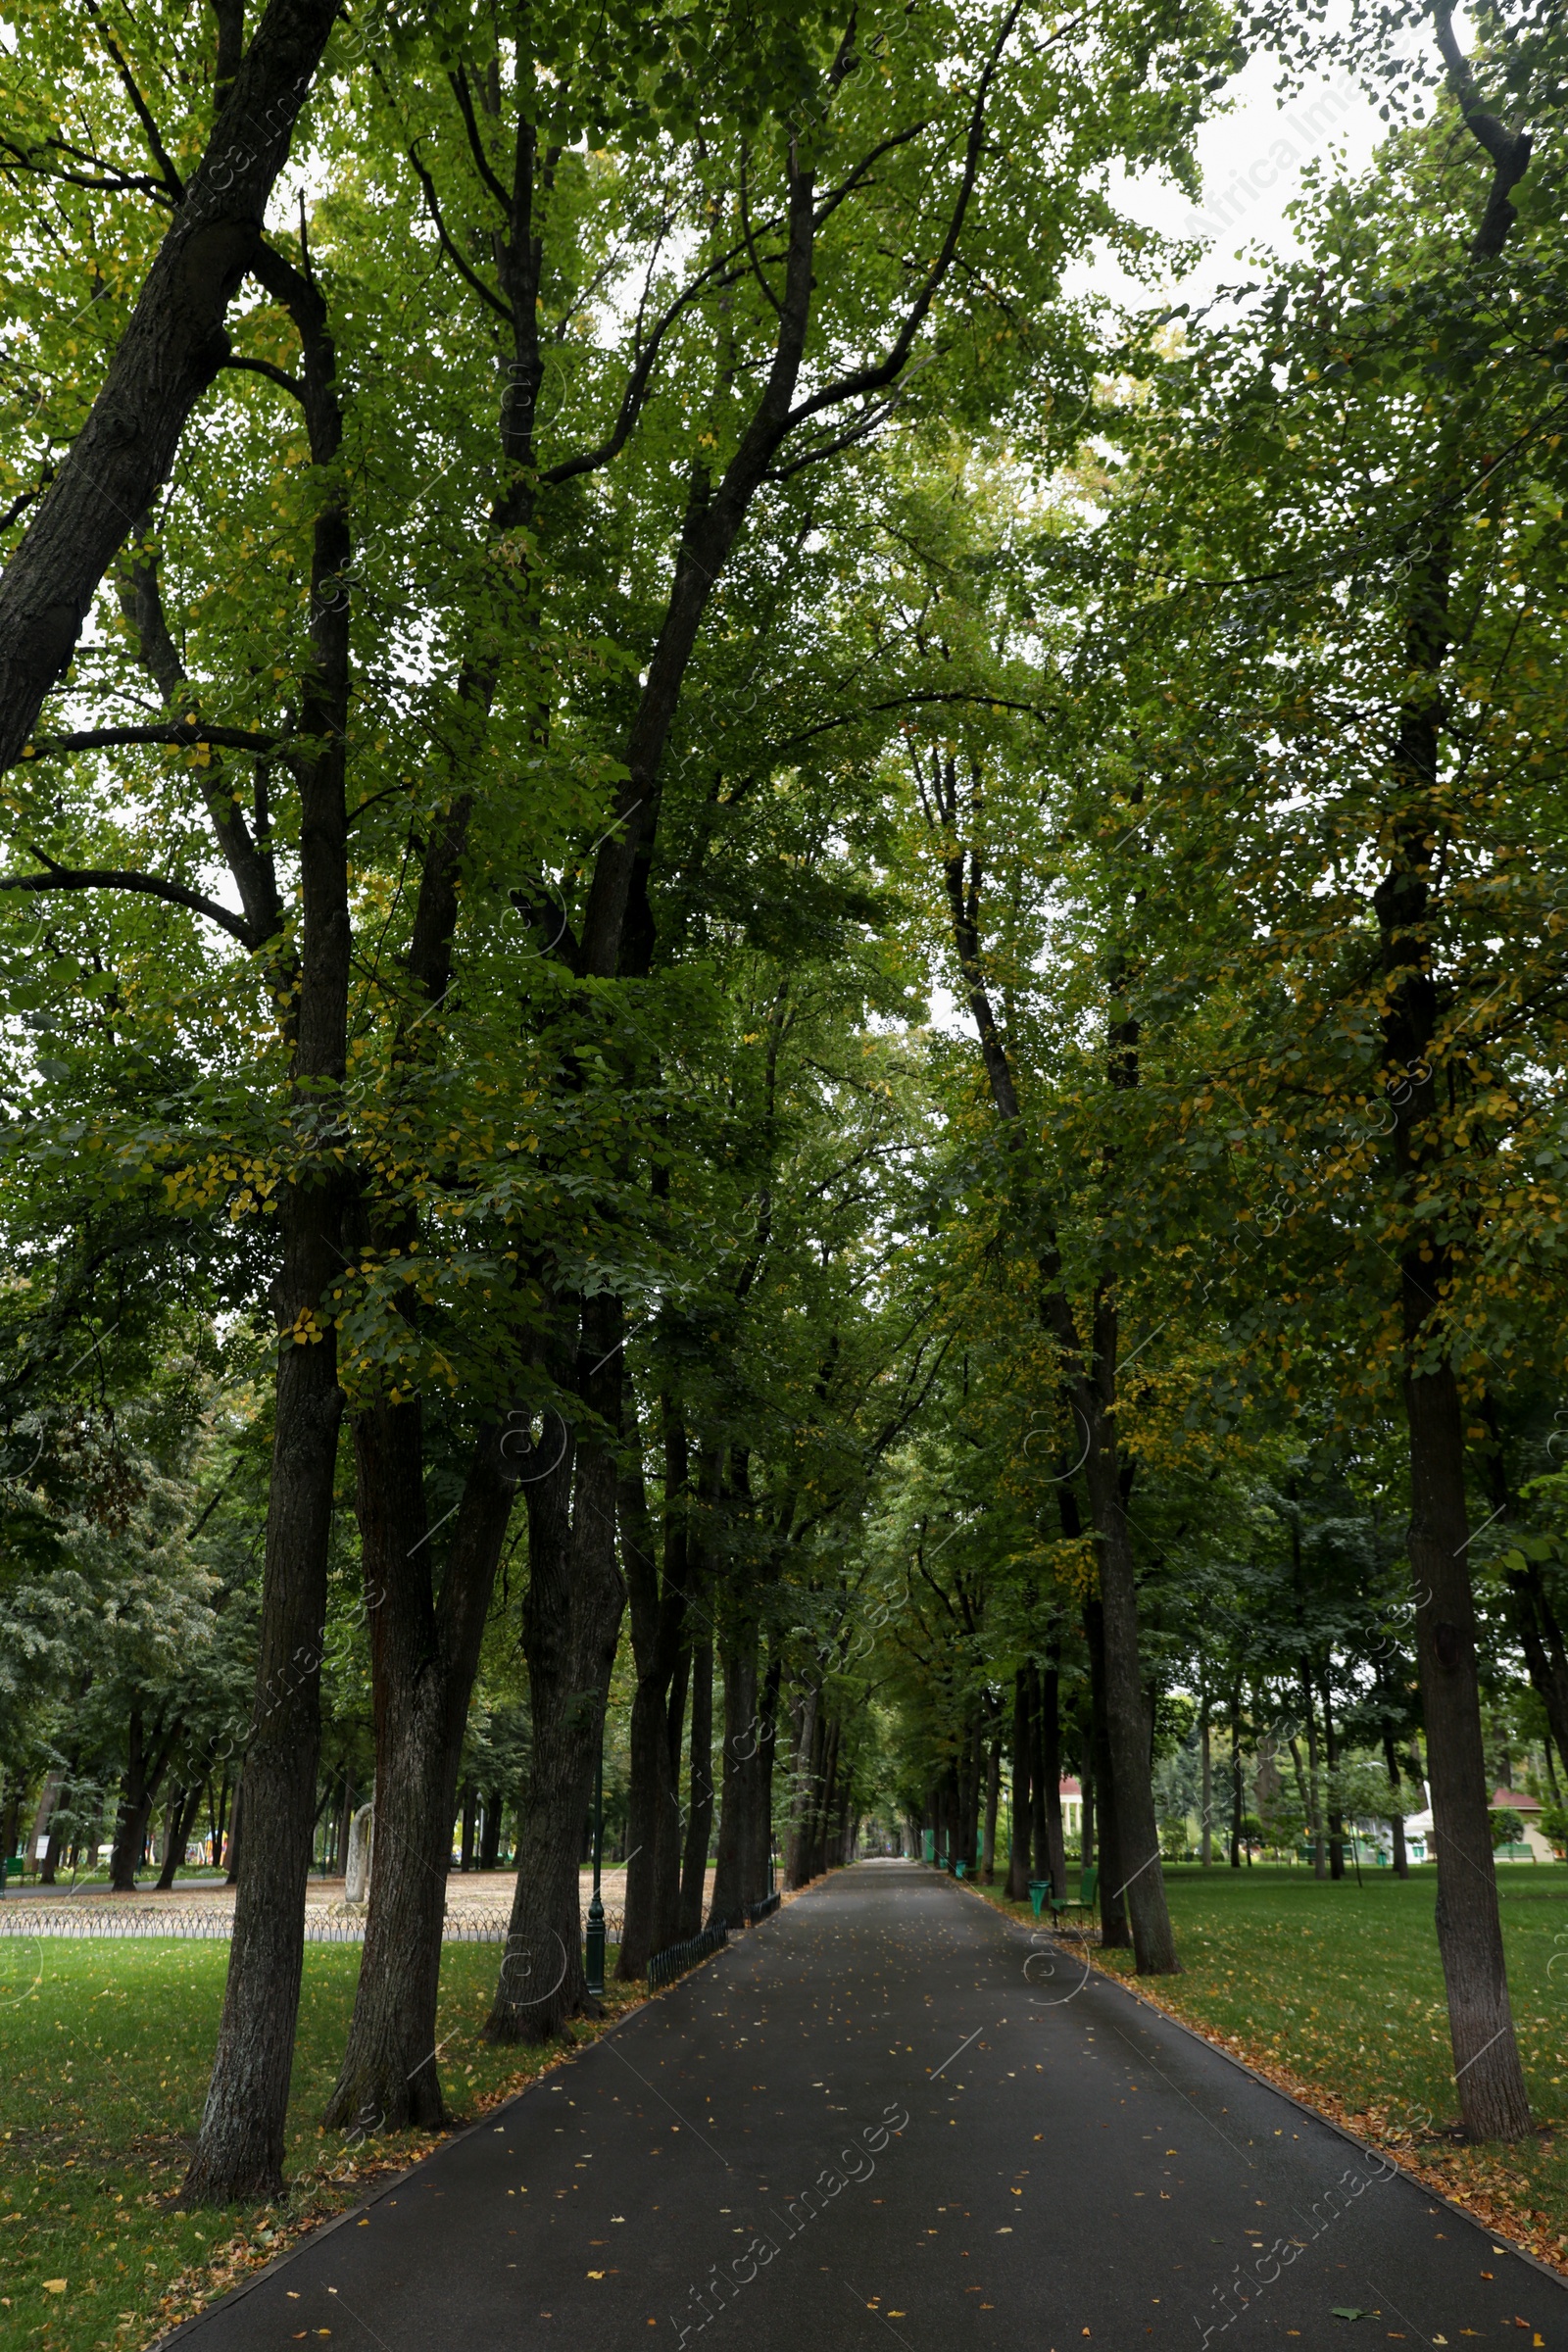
[213, 1923]
[762, 1910]
[665, 1967]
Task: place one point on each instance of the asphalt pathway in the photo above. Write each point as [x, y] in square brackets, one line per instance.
[890, 2116]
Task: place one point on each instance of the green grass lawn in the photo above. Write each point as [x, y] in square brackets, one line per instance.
[104, 2054]
[1337, 1989]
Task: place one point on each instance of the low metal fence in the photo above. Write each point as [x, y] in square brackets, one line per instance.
[215, 1924]
[665, 1967]
[764, 1909]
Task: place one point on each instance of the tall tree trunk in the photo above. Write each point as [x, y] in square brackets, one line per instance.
[1541, 1637]
[827, 1796]
[732, 1882]
[1331, 1759]
[1315, 1784]
[340, 1837]
[470, 1801]
[699, 1792]
[490, 1839]
[1039, 1792]
[657, 1609]
[1128, 1789]
[424, 1652]
[50, 1864]
[571, 1620]
[1492, 2100]
[1236, 1779]
[1022, 1777]
[1050, 1770]
[181, 1819]
[1401, 1858]
[1115, 1933]
[988, 1851]
[761, 1861]
[1086, 1842]
[135, 1804]
[804, 1785]
[240, 2152]
[1205, 1835]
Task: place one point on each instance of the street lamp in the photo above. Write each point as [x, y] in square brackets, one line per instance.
[594, 1951]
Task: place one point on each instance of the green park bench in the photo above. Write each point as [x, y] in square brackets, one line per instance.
[1086, 1886]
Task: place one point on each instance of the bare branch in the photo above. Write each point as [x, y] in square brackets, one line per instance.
[1509, 150]
[502, 309]
[718, 275]
[276, 376]
[470, 123]
[185, 733]
[144, 114]
[152, 886]
[751, 247]
[883, 372]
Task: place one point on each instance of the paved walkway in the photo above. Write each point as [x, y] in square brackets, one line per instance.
[880, 2119]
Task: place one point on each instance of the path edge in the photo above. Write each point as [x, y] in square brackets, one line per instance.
[1362, 2148]
[391, 2181]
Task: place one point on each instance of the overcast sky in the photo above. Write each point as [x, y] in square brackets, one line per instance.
[1251, 158]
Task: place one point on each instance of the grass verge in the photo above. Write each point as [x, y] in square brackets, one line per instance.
[104, 2056]
[1335, 1993]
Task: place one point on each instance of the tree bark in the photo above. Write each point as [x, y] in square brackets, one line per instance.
[1331, 1759]
[1314, 1785]
[181, 1815]
[138, 1793]
[1128, 1790]
[1493, 2101]
[1022, 1815]
[1050, 1768]
[1086, 1842]
[806, 1785]
[657, 1609]
[169, 353]
[988, 1851]
[740, 1875]
[424, 1652]
[1205, 1835]
[1401, 1858]
[240, 2152]
[1114, 1934]
[571, 1620]
[1039, 1794]
[700, 1792]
